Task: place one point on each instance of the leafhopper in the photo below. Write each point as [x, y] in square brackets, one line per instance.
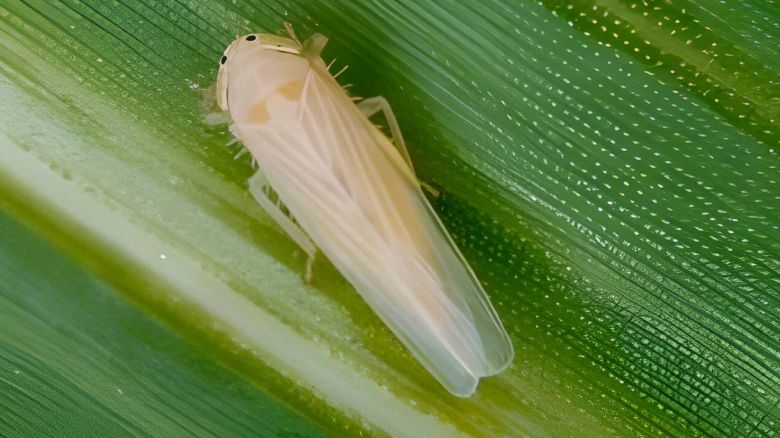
[334, 182]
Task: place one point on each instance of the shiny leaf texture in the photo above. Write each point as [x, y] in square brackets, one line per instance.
[608, 167]
[77, 360]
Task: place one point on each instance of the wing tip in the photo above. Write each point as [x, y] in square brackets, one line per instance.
[506, 359]
[469, 385]
[499, 367]
[466, 390]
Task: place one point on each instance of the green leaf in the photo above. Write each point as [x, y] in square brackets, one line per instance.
[78, 360]
[609, 168]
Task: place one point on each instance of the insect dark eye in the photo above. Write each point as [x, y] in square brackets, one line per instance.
[251, 37]
[223, 59]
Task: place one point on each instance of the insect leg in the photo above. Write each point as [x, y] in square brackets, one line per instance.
[313, 46]
[217, 118]
[257, 186]
[373, 105]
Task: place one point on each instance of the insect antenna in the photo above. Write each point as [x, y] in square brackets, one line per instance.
[290, 31]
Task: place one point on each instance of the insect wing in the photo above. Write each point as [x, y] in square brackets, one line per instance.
[352, 192]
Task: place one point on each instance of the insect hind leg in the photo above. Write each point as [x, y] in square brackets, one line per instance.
[259, 187]
[373, 105]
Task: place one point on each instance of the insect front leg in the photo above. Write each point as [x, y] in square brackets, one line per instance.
[259, 187]
[212, 114]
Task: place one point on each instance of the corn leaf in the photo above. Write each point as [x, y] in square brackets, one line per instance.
[608, 167]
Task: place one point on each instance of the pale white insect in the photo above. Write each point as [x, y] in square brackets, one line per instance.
[347, 190]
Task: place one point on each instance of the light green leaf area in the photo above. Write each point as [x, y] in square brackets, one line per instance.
[78, 360]
[608, 168]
